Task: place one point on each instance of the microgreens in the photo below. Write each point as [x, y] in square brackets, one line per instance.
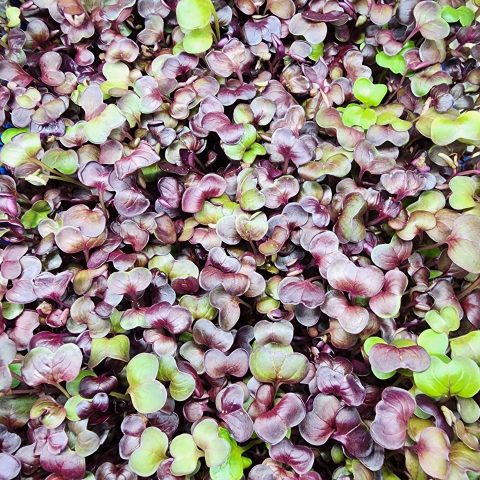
[239, 240]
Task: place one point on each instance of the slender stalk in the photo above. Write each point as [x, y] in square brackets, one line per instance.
[468, 172]
[412, 34]
[32, 391]
[473, 286]
[429, 247]
[251, 444]
[56, 174]
[121, 396]
[245, 304]
[17, 377]
[253, 247]
[66, 179]
[62, 389]
[217, 24]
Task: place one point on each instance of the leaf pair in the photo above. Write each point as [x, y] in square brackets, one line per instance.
[278, 364]
[194, 17]
[147, 393]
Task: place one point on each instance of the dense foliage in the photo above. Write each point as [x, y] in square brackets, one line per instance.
[240, 240]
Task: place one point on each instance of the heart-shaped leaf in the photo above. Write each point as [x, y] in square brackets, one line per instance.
[389, 428]
[117, 347]
[185, 455]
[206, 436]
[467, 345]
[429, 21]
[42, 365]
[369, 93]
[464, 190]
[272, 426]
[145, 460]
[181, 384]
[445, 321]
[463, 242]
[275, 363]
[148, 394]
[459, 376]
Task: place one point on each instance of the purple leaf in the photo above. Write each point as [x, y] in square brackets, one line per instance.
[388, 358]
[319, 423]
[42, 365]
[389, 428]
[337, 379]
[272, 426]
[295, 291]
[229, 403]
[352, 433]
[219, 365]
[298, 457]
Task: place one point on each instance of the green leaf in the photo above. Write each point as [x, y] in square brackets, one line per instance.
[370, 342]
[357, 115]
[395, 63]
[185, 455]
[145, 460]
[15, 410]
[99, 128]
[252, 200]
[464, 190]
[148, 395]
[40, 210]
[21, 149]
[194, 14]
[117, 347]
[465, 128]
[430, 201]
[181, 385]
[17, 369]
[369, 93]
[206, 436]
[467, 346]
[462, 14]
[198, 40]
[317, 51]
[445, 321]
[444, 378]
[71, 407]
[9, 133]
[276, 363]
[251, 226]
[199, 307]
[468, 409]
[11, 310]
[13, 16]
[65, 161]
[434, 343]
[233, 467]
[251, 154]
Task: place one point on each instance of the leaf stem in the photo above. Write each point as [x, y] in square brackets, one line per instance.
[17, 377]
[121, 396]
[251, 444]
[473, 286]
[66, 179]
[217, 24]
[468, 172]
[33, 391]
[62, 389]
[56, 174]
[429, 247]
[253, 247]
